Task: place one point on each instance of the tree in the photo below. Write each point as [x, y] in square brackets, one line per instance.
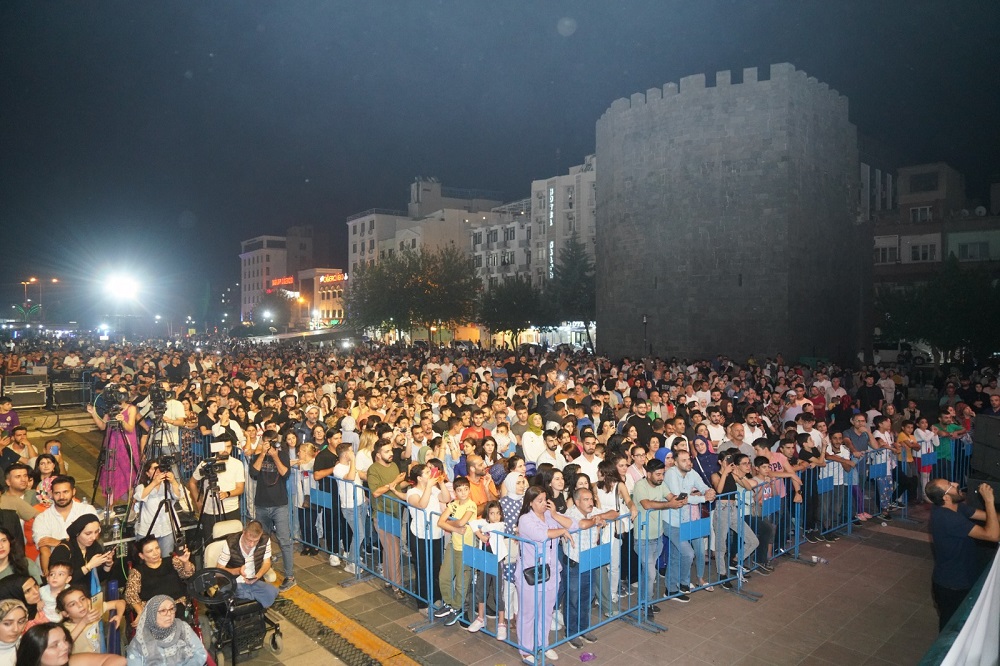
[450, 289]
[384, 295]
[511, 307]
[957, 309]
[274, 308]
[573, 287]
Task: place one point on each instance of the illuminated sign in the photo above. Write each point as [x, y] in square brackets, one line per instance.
[552, 259]
[281, 281]
[338, 277]
[552, 206]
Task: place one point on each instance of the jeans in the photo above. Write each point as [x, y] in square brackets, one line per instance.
[275, 522]
[648, 551]
[579, 591]
[681, 555]
[348, 534]
[261, 592]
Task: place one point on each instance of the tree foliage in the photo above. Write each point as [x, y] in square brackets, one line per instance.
[410, 288]
[573, 289]
[511, 307]
[957, 309]
[278, 308]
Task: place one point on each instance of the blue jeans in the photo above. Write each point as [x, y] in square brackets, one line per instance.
[681, 555]
[259, 591]
[579, 592]
[275, 522]
[648, 551]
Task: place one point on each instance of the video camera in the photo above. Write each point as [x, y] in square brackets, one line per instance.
[158, 399]
[111, 399]
[212, 467]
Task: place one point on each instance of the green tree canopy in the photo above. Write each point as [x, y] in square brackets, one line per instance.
[573, 287]
[511, 307]
[273, 309]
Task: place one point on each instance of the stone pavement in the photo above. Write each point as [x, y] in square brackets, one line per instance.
[870, 605]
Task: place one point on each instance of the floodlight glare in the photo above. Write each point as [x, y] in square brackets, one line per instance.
[122, 286]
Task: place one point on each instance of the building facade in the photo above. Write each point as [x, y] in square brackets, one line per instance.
[561, 207]
[728, 220]
[262, 259]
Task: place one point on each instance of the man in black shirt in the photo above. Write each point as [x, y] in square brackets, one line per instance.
[326, 460]
[270, 470]
[870, 396]
[956, 566]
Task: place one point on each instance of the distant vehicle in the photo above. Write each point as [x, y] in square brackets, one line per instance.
[465, 346]
[898, 352]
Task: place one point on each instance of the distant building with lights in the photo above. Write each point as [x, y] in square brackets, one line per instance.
[265, 258]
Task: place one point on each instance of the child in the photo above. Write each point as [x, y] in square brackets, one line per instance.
[58, 578]
[488, 532]
[84, 621]
[454, 577]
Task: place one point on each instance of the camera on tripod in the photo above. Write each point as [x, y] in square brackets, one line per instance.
[212, 467]
[112, 398]
[158, 397]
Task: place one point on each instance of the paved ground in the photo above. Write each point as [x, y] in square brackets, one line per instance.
[870, 605]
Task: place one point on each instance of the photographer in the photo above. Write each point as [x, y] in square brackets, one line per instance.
[270, 469]
[155, 482]
[216, 486]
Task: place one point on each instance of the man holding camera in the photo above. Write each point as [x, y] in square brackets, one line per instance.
[270, 469]
[216, 486]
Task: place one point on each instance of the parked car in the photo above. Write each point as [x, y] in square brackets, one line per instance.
[899, 352]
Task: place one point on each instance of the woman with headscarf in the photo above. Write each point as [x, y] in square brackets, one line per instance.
[13, 620]
[532, 441]
[161, 639]
[514, 485]
[83, 551]
[705, 462]
[24, 589]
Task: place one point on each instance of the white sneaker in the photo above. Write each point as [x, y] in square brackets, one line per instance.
[476, 625]
[501, 632]
[557, 622]
[350, 568]
[551, 655]
[334, 561]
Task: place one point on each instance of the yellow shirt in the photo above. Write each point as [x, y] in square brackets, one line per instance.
[456, 510]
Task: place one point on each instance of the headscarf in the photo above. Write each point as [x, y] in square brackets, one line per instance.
[6, 606]
[533, 428]
[707, 463]
[510, 483]
[12, 589]
[163, 645]
[78, 525]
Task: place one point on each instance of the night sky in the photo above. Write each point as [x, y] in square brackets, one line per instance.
[153, 136]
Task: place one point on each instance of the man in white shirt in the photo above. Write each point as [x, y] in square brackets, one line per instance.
[716, 426]
[225, 503]
[589, 460]
[49, 528]
[579, 583]
[247, 556]
[834, 393]
[551, 453]
[682, 483]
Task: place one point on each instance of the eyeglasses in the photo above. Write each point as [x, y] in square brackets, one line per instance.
[167, 611]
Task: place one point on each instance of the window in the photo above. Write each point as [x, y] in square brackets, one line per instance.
[267, 258]
[492, 259]
[371, 245]
[570, 223]
[491, 236]
[920, 214]
[402, 245]
[509, 233]
[381, 255]
[477, 238]
[354, 247]
[371, 225]
[973, 251]
[354, 229]
[527, 259]
[527, 233]
[413, 242]
[494, 282]
[477, 261]
[267, 271]
[362, 229]
[923, 253]
[886, 255]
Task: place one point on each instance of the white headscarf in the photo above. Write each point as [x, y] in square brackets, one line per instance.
[510, 483]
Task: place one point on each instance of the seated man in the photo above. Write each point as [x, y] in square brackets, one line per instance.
[49, 528]
[152, 575]
[247, 555]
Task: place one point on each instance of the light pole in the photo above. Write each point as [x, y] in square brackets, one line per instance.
[645, 322]
[41, 313]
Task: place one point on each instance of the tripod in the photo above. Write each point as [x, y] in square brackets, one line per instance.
[158, 449]
[107, 462]
[166, 505]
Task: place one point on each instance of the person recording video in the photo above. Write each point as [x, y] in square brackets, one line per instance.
[217, 484]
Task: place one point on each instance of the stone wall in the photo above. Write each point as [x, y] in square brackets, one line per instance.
[727, 215]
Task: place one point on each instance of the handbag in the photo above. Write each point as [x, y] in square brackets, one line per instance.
[531, 578]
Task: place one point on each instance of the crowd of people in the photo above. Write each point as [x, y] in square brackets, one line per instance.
[426, 452]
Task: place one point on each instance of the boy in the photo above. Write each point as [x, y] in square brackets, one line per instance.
[58, 578]
[84, 621]
[454, 576]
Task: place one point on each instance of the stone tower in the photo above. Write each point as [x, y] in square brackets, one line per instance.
[727, 215]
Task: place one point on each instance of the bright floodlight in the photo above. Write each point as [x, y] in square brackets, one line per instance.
[122, 286]
[267, 314]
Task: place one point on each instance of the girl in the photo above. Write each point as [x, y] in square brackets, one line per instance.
[489, 533]
[612, 494]
[927, 441]
[425, 537]
[46, 469]
[150, 496]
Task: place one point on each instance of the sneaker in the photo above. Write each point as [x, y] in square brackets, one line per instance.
[350, 568]
[685, 588]
[765, 569]
[551, 655]
[614, 598]
[655, 608]
[528, 658]
[886, 516]
[557, 622]
[287, 584]
[502, 632]
[453, 617]
[476, 625]
[726, 585]
[334, 561]
[576, 643]
[681, 598]
[812, 536]
[831, 537]
[444, 611]
[589, 638]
